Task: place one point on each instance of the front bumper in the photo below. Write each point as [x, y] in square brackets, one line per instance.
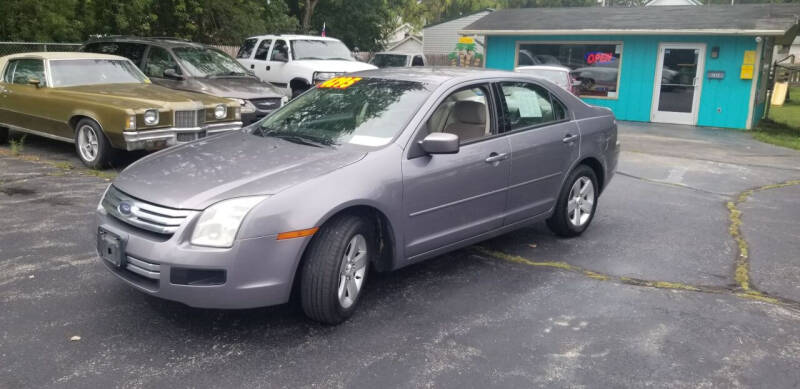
[257, 272]
[165, 137]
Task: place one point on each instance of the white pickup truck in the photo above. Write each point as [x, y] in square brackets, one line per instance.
[297, 62]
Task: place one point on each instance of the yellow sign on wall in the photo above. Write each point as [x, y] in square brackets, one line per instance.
[749, 57]
[747, 72]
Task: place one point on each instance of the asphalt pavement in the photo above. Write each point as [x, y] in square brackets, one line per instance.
[689, 276]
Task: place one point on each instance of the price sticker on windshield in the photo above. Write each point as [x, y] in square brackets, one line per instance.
[340, 82]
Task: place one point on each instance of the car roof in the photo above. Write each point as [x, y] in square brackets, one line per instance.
[544, 67]
[291, 36]
[168, 42]
[61, 55]
[435, 75]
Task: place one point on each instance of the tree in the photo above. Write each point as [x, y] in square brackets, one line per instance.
[308, 11]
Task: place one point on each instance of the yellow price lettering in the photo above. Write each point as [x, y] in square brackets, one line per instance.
[340, 82]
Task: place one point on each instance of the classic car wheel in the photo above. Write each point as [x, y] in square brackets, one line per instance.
[93, 148]
[576, 204]
[3, 135]
[335, 268]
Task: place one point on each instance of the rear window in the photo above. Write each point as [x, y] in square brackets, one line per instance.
[389, 60]
[131, 51]
[75, 72]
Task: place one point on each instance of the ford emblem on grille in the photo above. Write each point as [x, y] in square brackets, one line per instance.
[124, 208]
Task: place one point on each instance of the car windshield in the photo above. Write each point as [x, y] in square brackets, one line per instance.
[389, 60]
[74, 72]
[352, 110]
[206, 62]
[320, 49]
[557, 77]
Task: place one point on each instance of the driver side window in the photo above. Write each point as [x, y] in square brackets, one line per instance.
[464, 113]
[280, 52]
[158, 61]
[21, 71]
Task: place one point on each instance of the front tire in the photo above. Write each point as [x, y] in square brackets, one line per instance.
[91, 144]
[576, 204]
[335, 269]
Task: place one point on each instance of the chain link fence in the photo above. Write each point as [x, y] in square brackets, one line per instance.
[7, 48]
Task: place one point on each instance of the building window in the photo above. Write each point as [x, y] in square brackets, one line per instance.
[595, 65]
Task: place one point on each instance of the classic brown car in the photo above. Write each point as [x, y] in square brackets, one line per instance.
[102, 104]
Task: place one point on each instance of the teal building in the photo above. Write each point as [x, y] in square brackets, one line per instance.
[695, 65]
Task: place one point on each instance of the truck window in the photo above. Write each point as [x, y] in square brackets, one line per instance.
[263, 49]
[247, 48]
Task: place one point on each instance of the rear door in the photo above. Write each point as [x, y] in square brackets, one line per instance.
[452, 197]
[245, 53]
[544, 143]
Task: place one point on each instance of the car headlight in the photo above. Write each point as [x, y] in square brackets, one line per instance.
[324, 76]
[151, 117]
[219, 223]
[220, 111]
[246, 105]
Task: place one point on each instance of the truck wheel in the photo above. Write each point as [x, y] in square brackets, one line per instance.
[91, 144]
[576, 204]
[3, 135]
[335, 269]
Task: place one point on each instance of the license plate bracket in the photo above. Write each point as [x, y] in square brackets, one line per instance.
[111, 247]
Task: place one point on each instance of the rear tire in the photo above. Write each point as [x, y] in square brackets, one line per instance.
[577, 203]
[3, 135]
[335, 269]
[91, 145]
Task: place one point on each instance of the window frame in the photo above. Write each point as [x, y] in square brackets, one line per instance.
[44, 82]
[252, 49]
[415, 151]
[146, 61]
[269, 49]
[581, 42]
[498, 91]
[275, 45]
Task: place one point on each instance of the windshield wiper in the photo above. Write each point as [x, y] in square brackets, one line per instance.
[228, 74]
[294, 138]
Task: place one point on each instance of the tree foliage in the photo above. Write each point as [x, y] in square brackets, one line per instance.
[359, 23]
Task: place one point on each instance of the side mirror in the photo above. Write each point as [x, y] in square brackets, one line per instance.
[280, 57]
[440, 143]
[35, 82]
[171, 73]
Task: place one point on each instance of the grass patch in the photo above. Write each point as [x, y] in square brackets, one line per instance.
[17, 145]
[106, 175]
[782, 128]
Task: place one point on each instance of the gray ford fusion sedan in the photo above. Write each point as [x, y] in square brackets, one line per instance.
[369, 172]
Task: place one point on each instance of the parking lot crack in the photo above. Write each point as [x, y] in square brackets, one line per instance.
[672, 184]
[743, 288]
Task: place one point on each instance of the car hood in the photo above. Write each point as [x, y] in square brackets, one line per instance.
[146, 95]
[235, 87]
[338, 66]
[198, 174]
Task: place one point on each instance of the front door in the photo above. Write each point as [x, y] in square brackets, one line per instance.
[679, 78]
[452, 197]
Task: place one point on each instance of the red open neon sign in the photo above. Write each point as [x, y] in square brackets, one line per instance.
[597, 57]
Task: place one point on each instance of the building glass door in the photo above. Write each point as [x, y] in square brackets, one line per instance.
[679, 77]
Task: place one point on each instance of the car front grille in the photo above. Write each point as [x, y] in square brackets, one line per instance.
[269, 104]
[143, 268]
[189, 119]
[147, 216]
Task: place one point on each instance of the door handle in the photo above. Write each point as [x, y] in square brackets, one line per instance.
[569, 138]
[267, 67]
[252, 66]
[494, 157]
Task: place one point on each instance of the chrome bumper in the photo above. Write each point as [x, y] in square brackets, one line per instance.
[164, 137]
